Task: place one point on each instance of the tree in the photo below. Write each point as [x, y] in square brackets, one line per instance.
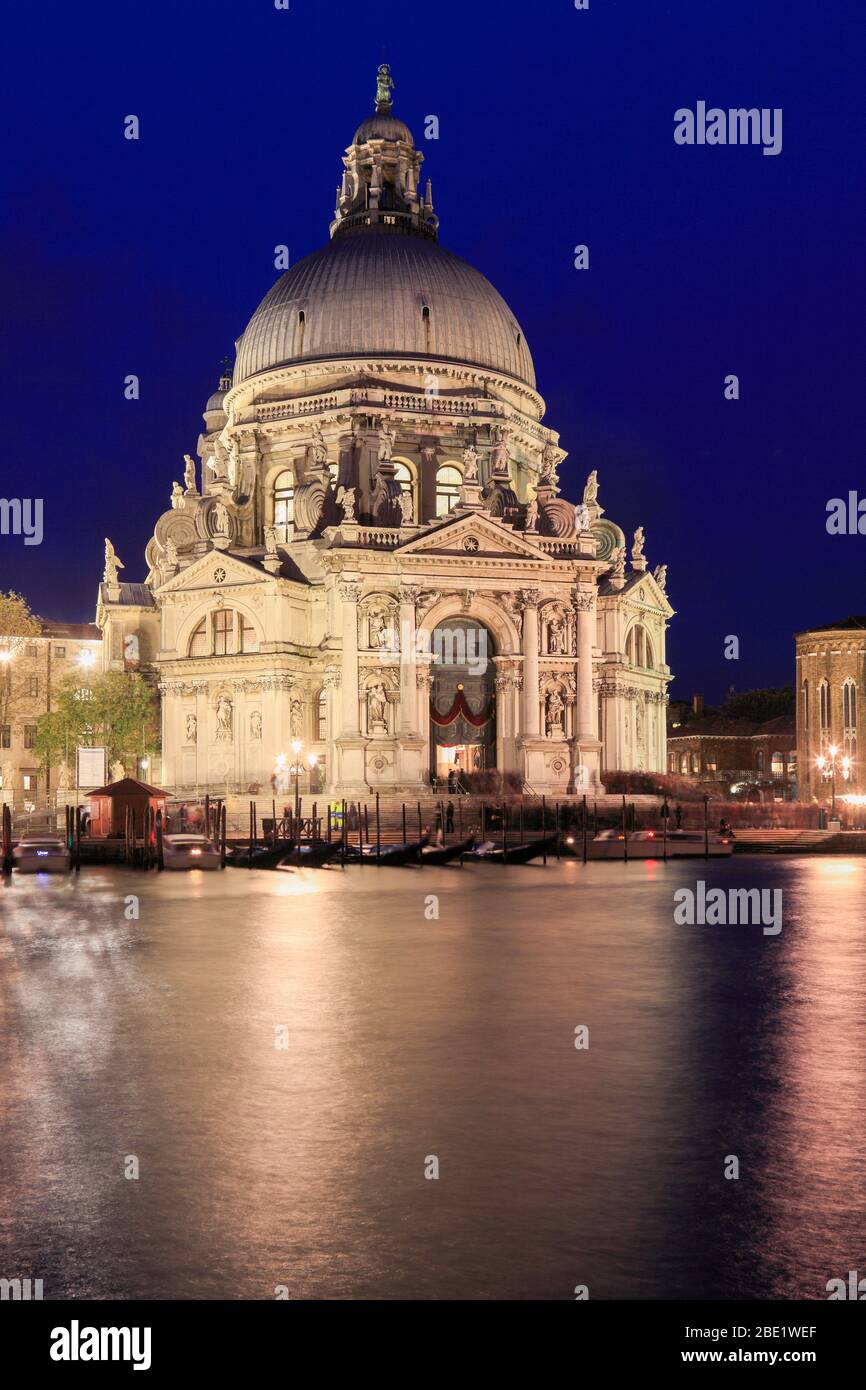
[759, 705]
[116, 711]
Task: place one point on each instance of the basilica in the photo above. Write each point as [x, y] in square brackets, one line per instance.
[370, 574]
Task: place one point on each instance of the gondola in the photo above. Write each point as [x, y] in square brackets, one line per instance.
[389, 854]
[444, 854]
[517, 854]
[264, 856]
[311, 856]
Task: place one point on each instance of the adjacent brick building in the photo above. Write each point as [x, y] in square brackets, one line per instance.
[746, 757]
[831, 674]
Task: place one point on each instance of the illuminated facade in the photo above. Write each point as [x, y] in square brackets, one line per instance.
[375, 559]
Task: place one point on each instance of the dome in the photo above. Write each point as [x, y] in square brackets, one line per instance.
[365, 294]
[382, 127]
[215, 402]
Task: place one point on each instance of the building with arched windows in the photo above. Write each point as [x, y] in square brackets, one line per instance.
[831, 688]
[376, 560]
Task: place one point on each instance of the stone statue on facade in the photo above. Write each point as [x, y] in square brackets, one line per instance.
[581, 518]
[112, 564]
[255, 724]
[406, 507]
[319, 448]
[660, 575]
[532, 515]
[470, 465]
[224, 719]
[170, 554]
[387, 440]
[499, 454]
[555, 708]
[221, 520]
[590, 492]
[176, 496]
[296, 718]
[189, 473]
[376, 705]
[555, 637]
[218, 462]
[192, 728]
[618, 559]
[270, 540]
[346, 500]
[548, 466]
[639, 541]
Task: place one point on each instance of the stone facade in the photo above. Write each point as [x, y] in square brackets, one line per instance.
[831, 688]
[375, 479]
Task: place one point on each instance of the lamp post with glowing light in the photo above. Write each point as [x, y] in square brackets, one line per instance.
[828, 764]
[294, 769]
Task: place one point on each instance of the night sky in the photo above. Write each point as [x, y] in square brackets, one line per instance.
[556, 128]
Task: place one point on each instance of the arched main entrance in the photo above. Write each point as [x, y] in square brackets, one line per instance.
[462, 698]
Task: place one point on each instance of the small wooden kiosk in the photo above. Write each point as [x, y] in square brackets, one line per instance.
[109, 806]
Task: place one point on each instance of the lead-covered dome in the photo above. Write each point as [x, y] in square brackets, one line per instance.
[383, 287]
[379, 293]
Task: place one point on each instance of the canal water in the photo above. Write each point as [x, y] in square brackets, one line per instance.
[283, 1057]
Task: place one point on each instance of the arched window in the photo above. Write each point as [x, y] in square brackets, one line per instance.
[696, 763]
[321, 717]
[672, 762]
[684, 762]
[824, 696]
[249, 641]
[198, 643]
[759, 760]
[284, 506]
[222, 633]
[849, 705]
[777, 764]
[448, 483]
[804, 706]
[638, 647]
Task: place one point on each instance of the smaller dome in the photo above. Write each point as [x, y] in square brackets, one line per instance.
[382, 127]
[215, 402]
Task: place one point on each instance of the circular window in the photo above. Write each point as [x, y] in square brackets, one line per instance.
[470, 543]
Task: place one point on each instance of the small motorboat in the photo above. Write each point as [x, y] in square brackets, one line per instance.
[488, 853]
[189, 852]
[41, 854]
[650, 844]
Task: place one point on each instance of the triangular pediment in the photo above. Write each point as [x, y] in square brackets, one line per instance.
[643, 589]
[474, 533]
[217, 568]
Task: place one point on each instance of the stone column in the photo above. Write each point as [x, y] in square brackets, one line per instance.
[587, 746]
[586, 724]
[349, 595]
[408, 708]
[529, 599]
[350, 780]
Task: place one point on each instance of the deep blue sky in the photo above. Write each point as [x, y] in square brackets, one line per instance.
[556, 128]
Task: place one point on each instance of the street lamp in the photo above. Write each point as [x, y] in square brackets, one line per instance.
[828, 765]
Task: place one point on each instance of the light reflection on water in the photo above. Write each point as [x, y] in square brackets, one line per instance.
[409, 1037]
